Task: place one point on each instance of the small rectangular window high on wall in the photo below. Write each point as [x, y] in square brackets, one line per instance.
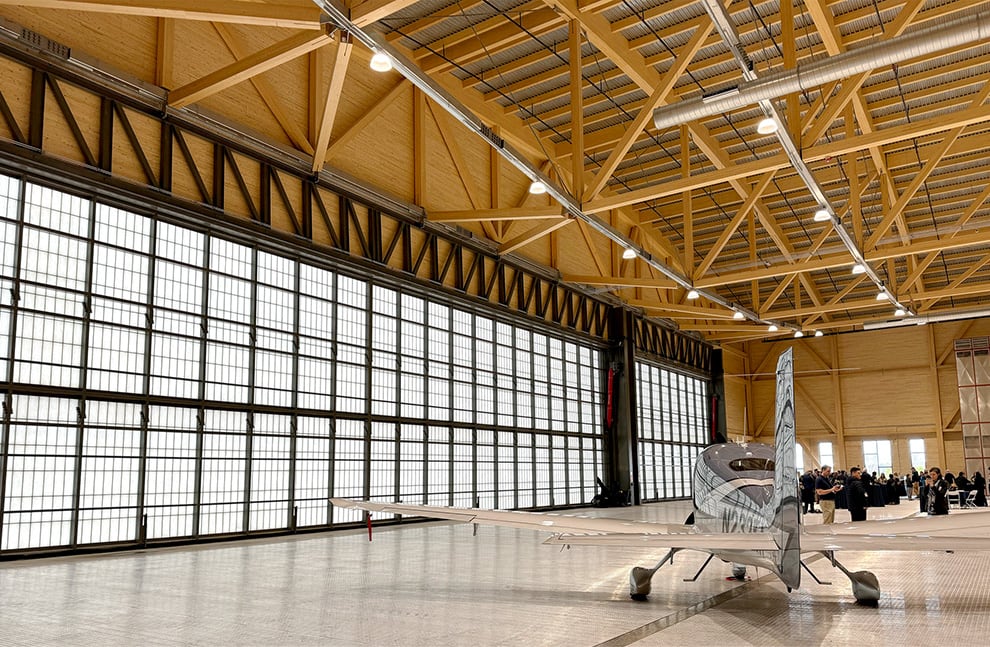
[825, 455]
[877, 456]
[917, 448]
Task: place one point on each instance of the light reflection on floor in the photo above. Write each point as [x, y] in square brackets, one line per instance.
[436, 584]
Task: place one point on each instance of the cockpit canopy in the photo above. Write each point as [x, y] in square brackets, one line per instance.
[752, 463]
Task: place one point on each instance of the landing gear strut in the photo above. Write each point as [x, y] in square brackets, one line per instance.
[865, 585]
[640, 579]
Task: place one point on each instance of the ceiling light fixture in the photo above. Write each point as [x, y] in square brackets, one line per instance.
[767, 126]
[899, 312]
[537, 188]
[629, 253]
[738, 315]
[819, 333]
[859, 268]
[692, 294]
[882, 295]
[822, 215]
[798, 334]
[380, 62]
[772, 328]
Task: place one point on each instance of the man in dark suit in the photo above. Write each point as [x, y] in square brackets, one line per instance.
[856, 495]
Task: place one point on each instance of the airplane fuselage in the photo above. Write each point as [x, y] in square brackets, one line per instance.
[733, 489]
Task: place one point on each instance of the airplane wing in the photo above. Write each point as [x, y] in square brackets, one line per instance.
[961, 530]
[583, 530]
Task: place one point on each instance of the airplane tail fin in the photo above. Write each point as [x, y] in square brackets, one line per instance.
[785, 507]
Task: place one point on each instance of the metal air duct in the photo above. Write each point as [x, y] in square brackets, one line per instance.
[971, 28]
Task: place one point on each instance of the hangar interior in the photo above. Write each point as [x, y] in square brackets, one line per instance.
[256, 254]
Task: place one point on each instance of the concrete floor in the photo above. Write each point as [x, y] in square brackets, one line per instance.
[435, 584]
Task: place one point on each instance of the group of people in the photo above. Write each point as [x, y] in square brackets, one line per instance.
[858, 490]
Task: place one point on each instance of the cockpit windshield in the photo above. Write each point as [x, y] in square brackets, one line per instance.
[752, 463]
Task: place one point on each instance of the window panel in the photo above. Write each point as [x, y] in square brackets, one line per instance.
[179, 244]
[48, 350]
[170, 473]
[40, 473]
[56, 210]
[312, 486]
[122, 229]
[109, 478]
[223, 472]
[269, 504]
[358, 347]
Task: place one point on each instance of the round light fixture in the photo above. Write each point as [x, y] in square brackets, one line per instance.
[798, 334]
[692, 294]
[738, 315]
[819, 333]
[859, 268]
[537, 188]
[822, 215]
[767, 126]
[381, 62]
[899, 312]
[882, 295]
[629, 253]
[772, 328]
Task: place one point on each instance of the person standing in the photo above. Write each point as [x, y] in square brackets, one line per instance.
[980, 484]
[856, 495]
[938, 499]
[808, 491]
[826, 494]
[915, 483]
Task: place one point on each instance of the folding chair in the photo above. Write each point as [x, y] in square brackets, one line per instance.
[970, 501]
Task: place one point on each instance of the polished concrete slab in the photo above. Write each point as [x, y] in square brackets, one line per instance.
[439, 584]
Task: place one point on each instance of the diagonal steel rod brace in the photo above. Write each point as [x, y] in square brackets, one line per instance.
[700, 570]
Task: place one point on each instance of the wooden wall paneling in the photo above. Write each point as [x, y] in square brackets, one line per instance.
[137, 145]
[242, 180]
[936, 410]
[130, 40]
[904, 387]
[71, 122]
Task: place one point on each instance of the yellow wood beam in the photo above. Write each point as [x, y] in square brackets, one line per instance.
[505, 213]
[808, 401]
[367, 117]
[600, 264]
[369, 11]
[531, 235]
[899, 133]
[164, 52]
[754, 194]
[620, 281]
[295, 15]
[577, 109]
[463, 170]
[269, 94]
[244, 69]
[332, 102]
[897, 209]
[694, 312]
[660, 94]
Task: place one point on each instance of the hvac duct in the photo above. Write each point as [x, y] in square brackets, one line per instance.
[923, 42]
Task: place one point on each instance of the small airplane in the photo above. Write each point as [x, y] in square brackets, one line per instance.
[747, 513]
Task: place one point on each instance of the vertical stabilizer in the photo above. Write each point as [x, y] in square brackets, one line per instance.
[786, 506]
